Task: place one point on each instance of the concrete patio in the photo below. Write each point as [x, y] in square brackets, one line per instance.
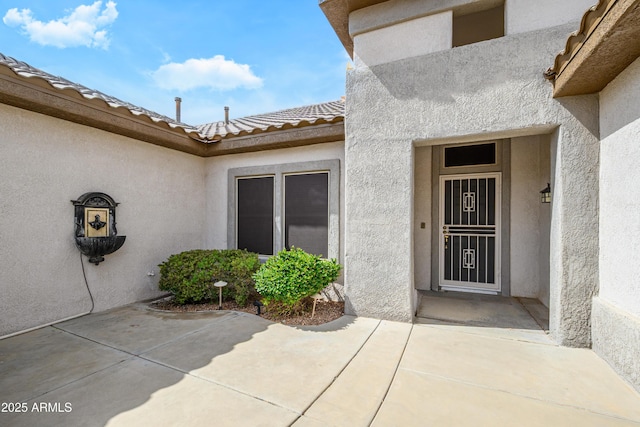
[135, 366]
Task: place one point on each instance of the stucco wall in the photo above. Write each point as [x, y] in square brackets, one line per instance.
[217, 183]
[47, 162]
[492, 89]
[405, 39]
[620, 192]
[526, 15]
[616, 315]
[529, 218]
[422, 208]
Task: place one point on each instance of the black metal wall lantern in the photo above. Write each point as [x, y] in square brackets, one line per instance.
[95, 226]
[545, 194]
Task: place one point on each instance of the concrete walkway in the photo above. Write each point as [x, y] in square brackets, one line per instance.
[132, 366]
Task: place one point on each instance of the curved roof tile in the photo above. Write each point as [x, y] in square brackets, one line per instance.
[23, 69]
[328, 112]
[588, 24]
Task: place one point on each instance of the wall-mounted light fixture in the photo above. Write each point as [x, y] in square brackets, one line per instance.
[545, 194]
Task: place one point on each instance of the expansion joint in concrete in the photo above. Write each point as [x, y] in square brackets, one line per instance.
[339, 373]
[395, 372]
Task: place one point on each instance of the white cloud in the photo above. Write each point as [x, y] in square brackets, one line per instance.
[82, 27]
[214, 73]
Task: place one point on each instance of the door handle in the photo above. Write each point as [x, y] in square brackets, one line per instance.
[445, 231]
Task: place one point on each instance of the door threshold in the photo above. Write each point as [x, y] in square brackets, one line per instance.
[469, 290]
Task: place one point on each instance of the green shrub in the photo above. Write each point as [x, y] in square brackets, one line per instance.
[190, 275]
[292, 275]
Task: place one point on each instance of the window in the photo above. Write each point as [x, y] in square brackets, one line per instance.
[306, 212]
[280, 206]
[255, 214]
[470, 155]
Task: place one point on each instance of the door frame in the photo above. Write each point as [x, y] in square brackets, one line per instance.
[502, 165]
[496, 289]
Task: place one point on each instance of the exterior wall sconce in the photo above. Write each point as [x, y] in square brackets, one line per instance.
[95, 226]
[545, 194]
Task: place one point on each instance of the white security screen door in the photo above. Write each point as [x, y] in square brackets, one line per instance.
[469, 232]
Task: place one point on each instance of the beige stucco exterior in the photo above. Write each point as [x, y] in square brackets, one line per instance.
[405, 103]
[488, 90]
[169, 202]
[46, 163]
[576, 254]
[616, 312]
[526, 15]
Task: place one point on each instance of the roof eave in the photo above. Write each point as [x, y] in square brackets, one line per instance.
[337, 12]
[594, 56]
[296, 137]
[37, 96]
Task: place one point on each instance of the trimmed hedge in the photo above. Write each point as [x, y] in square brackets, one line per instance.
[190, 275]
[292, 275]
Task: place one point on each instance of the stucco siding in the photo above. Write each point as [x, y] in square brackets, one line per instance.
[619, 191]
[422, 216]
[616, 338]
[405, 39]
[46, 163]
[526, 15]
[491, 89]
[529, 218]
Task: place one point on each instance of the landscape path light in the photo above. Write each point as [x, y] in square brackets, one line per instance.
[220, 285]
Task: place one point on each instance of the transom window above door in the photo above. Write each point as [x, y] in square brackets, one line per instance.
[284, 206]
[470, 155]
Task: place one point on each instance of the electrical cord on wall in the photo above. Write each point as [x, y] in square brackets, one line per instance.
[87, 284]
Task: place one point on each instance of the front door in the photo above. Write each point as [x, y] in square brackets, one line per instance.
[470, 232]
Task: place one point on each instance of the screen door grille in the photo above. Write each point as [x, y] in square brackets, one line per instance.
[469, 225]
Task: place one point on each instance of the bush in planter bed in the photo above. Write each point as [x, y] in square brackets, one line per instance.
[190, 275]
[293, 275]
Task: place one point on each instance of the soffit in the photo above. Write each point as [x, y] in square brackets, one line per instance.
[607, 41]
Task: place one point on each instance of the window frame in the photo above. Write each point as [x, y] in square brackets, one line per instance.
[279, 171]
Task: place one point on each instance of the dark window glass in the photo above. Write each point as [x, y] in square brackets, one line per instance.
[469, 155]
[306, 212]
[255, 215]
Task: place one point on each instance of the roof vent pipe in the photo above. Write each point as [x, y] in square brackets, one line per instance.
[178, 101]
[226, 115]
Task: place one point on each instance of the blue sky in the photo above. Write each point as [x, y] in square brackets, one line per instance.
[254, 56]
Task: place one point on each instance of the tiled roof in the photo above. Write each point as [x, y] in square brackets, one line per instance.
[25, 70]
[588, 24]
[328, 112]
[606, 43]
